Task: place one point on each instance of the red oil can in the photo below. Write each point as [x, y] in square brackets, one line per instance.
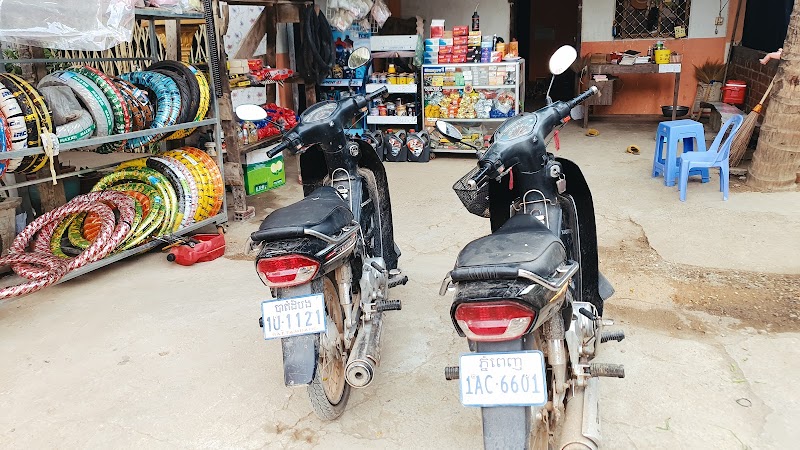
[206, 248]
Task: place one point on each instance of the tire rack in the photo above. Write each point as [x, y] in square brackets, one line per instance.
[149, 14]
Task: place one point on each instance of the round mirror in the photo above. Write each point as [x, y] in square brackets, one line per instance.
[562, 59]
[449, 130]
[358, 58]
[250, 113]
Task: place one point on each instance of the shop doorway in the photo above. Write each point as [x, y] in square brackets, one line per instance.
[541, 27]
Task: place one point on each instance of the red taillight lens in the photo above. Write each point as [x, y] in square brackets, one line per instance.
[494, 321]
[287, 270]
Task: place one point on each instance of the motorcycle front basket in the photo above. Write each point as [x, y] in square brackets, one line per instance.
[475, 199]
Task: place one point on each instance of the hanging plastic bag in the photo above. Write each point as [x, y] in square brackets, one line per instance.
[380, 12]
[342, 19]
[67, 24]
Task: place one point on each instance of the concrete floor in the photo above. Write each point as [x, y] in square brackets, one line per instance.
[147, 354]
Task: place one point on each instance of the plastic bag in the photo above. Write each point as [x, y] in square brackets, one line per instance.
[176, 6]
[67, 24]
[381, 13]
[62, 103]
[342, 19]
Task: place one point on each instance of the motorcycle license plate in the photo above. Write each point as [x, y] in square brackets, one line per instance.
[503, 379]
[286, 317]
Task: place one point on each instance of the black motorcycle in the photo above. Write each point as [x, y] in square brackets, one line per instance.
[330, 258]
[529, 297]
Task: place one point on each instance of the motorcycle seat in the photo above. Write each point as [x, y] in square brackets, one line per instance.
[523, 242]
[322, 211]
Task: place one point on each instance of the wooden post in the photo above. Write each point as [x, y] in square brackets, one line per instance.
[51, 195]
[675, 97]
[291, 31]
[272, 58]
[172, 38]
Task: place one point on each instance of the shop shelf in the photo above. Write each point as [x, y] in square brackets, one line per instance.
[392, 120]
[113, 138]
[260, 144]
[470, 120]
[394, 88]
[492, 86]
[220, 218]
[161, 13]
[341, 82]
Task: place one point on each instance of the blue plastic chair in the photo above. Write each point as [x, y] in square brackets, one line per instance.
[716, 156]
[670, 133]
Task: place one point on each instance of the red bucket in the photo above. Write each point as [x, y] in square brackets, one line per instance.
[734, 92]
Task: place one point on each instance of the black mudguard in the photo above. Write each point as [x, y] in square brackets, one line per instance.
[299, 359]
[578, 188]
[505, 427]
[314, 169]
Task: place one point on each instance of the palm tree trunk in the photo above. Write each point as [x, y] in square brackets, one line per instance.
[776, 162]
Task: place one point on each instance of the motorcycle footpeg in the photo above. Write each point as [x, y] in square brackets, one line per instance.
[397, 281]
[451, 373]
[388, 305]
[607, 370]
[613, 336]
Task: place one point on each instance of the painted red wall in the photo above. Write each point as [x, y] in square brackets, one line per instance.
[645, 94]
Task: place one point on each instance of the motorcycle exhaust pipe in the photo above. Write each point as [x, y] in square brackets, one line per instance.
[581, 427]
[366, 354]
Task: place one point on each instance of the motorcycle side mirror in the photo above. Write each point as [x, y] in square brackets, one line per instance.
[358, 58]
[449, 131]
[250, 113]
[561, 60]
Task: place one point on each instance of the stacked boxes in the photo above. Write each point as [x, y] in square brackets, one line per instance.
[457, 46]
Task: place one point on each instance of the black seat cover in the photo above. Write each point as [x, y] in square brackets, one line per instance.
[323, 211]
[523, 242]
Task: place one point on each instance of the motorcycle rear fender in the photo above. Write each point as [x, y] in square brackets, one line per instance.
[506, 426]
[596, 288]
[314, 169]
[300, 353]
[299, 359]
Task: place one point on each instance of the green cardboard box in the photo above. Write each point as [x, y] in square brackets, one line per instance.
[262, 174]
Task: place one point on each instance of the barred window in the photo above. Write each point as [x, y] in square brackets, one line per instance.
[638, 19]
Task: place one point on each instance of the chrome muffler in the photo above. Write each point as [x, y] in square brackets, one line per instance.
[366, 353]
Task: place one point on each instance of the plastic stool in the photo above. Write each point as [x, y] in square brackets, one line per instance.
[670, 133]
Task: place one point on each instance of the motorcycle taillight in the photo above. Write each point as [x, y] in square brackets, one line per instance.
[494, 321]
[286, 270]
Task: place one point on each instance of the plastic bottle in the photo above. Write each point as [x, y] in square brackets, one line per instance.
[476, 19]
[392, 69]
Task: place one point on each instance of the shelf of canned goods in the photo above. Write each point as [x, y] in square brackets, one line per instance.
[155, 184]
[475, 97]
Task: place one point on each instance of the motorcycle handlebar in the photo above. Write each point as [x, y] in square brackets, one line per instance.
[480, 177]
[582, 98]
[277, 149]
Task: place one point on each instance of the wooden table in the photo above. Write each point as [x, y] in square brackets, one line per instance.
[616, 69]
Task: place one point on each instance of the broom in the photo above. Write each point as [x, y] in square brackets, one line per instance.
[742, 138]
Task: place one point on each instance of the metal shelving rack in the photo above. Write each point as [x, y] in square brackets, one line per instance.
[384, 47]
[433, 70]
[141, 14]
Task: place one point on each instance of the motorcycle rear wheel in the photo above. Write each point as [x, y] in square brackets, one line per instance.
[329, 391]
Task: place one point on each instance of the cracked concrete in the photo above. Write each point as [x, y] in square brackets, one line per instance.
[145, 354]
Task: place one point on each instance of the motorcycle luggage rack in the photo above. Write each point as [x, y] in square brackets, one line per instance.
[555, 283]
[523, 205]
[349, 180]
